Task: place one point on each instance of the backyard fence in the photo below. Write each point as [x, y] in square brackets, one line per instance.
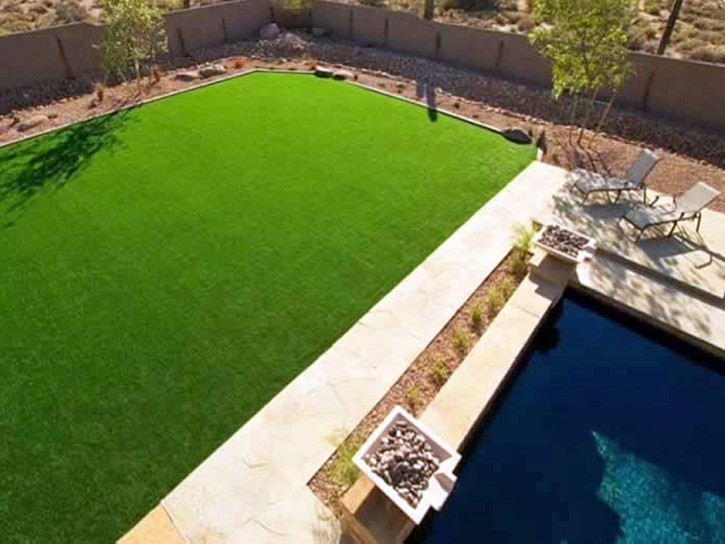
[689, 91]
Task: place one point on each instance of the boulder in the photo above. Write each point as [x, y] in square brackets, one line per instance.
[517, 135]
[269, 32]
[321, 71]
[342, 74]
[318, 32]
[188, 75]
[32, 122]
[212, 70]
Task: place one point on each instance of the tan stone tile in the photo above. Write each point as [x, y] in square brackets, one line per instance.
[155, 528]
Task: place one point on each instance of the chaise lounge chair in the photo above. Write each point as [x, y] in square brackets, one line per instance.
[587, 182]
[687, 207]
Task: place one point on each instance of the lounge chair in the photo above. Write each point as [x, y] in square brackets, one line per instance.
[686, 207]
[587, 182]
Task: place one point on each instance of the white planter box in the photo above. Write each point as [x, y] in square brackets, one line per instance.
[439, 485]
[584, 253]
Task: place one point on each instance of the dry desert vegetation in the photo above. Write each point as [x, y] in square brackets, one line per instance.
[699, 33]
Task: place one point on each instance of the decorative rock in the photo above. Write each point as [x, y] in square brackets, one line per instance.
[517, 135]
[321, 71]
[321, 32]
[188, 75]
[212, 70]
[405, 461]
[32, 122]
[342, 74]
[269, 32]
[52, 115]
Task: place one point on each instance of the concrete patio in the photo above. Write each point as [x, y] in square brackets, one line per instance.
[694, 260]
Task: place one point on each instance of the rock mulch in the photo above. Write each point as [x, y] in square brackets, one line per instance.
[426, 375]
[405, 461]
[563, 240]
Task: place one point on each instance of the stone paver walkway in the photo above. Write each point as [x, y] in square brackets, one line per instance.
[253, 489]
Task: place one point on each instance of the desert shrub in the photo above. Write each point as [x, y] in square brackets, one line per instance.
[507, 286]
[69, 12]
[494, 299]
[476, 318]
[708, 53]
[652, 6]
[439, 371]
[688, 46]
[526, 23]
[460, 341]
[412, 397]
[344, 469]
[99, 90]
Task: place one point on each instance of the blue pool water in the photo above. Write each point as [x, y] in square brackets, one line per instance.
[610, 432]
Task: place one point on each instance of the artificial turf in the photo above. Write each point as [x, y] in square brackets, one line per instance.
[166, 271]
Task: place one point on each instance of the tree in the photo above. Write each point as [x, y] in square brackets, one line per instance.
[586, 41]
[134, 35]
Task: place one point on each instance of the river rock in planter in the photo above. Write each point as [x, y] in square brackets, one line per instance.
[517, 135]
[212, 70]
[321, 71]
[269, 32]
[188, 75]
[342, 74]
[32, 122]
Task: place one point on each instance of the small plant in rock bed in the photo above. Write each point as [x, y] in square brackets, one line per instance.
[412, 397]
[344, 469]
[495, 300]
[476, 318]
[439, 371]
[154, 75]
[99, 90]
[507, 286]
[460, 341]
[239, 62]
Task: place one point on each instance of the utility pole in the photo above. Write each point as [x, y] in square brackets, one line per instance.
[674, 14]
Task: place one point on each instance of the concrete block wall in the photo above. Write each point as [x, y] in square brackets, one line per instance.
[29, 58]
[689, 91]
[32, 57]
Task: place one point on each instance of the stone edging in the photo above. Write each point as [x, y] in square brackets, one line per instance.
[251, 71]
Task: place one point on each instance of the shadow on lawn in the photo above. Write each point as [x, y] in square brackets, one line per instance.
[425, 89]
[51, 161]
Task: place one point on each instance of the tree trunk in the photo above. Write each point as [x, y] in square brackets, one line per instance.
[590, 105]
[674, 14]
[187, 4]
[604, 116]
[429, 9]
[572, 115]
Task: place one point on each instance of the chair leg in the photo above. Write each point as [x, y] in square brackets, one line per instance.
[699, 220]
[672, 230]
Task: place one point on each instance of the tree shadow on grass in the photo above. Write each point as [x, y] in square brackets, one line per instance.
[49, 162]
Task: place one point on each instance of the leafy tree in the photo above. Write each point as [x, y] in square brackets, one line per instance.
[586, 41]
[134, 35]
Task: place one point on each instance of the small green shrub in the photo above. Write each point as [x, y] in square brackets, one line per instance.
[69, 12]
[476, 318]
[460, 341]
[652, 7]
[439, 371]
[344, 470]
[507, 286]
[412, 397]
[494, 300]
[524, 236]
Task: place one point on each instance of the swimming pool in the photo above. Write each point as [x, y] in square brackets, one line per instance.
[610, 432]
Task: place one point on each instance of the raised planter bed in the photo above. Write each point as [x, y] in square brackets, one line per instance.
[565, 244]
[409, 464]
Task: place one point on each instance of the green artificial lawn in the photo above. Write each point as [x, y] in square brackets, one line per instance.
[166, 271]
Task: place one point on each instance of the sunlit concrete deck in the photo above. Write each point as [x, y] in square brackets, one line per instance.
[695, 260]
